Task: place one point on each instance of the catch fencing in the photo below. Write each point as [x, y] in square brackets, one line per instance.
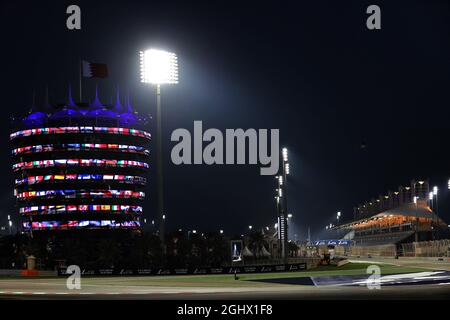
[436, 248]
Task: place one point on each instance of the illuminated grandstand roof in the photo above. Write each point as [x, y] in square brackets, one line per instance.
[419, 210]
[409, 210]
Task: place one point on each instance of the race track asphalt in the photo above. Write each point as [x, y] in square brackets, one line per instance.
[95, 288]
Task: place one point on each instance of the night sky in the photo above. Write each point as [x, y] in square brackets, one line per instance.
[311, 69]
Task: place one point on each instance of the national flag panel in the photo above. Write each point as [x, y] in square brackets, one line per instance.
[94, 70]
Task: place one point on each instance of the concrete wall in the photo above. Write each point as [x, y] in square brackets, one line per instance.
[375, 251]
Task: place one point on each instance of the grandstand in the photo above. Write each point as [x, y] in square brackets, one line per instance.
[381, 226]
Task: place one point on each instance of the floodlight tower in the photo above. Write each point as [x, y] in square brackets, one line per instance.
[282, 207]
[416, 234]
[435, 193]
[436, 204]
[159, 67]
[285, 162]
[338, 217]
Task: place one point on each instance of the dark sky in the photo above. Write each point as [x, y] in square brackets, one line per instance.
[311, 69]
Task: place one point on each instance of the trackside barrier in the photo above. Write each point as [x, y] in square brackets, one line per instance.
[436, 248]
[424, 249]
[388, 250]
[187, 271]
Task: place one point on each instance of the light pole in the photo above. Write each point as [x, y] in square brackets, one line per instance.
[416, 237]
[159, 67]
[282, 205]
[431, 197]
[289, 217]
[435, 193]
[9, 223]
[338, 217]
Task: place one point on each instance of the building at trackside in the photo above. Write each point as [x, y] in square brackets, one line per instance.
[80, 166]
[403, 216]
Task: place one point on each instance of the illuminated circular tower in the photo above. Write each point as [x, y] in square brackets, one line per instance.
[80, 166]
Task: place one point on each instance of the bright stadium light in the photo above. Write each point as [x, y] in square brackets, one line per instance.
[435, 190]
[282, 204]
[159, 67]
[339, 214]
[290, 215]
[221, 231]
[284, 152]
[430, 196]
[250, 227]
[448, 184]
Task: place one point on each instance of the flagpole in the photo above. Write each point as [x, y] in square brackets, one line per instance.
[81, 67]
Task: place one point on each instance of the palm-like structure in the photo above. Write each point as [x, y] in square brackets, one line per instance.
[256, 243]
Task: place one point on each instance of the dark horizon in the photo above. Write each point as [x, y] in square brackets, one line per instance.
[312, 70]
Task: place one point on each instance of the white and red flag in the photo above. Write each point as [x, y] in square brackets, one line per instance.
[94, 70]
